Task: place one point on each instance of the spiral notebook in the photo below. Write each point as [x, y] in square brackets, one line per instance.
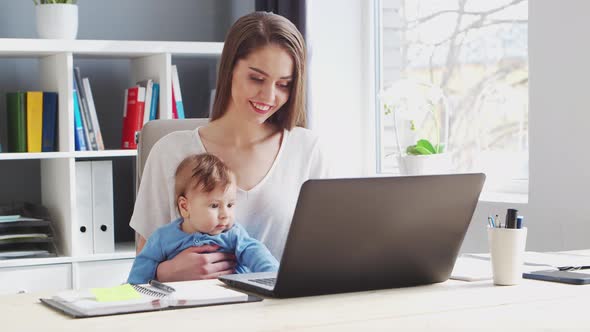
[85, 303]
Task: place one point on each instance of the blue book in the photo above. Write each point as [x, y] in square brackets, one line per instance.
[49, 122]
[180, 109]
[79, 138]
[155, 101]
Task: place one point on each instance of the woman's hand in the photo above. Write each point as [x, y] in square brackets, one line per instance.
[196, 263]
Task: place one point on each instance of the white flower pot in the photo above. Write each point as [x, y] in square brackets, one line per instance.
[57, 21]
[440, 163]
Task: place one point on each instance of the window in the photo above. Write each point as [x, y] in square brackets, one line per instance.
[474, 54]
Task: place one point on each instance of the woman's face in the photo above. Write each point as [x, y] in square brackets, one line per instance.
[261, 83]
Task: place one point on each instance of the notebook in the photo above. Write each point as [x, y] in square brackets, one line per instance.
[139, 298]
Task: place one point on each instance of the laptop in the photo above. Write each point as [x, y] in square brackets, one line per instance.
[362, 234]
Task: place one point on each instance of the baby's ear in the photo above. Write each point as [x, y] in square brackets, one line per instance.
[183, 206]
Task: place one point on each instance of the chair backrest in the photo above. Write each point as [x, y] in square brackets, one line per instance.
[153, 131]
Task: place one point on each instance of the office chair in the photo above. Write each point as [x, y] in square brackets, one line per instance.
[153, 131]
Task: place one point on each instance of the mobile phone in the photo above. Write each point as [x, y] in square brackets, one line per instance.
[567, 277]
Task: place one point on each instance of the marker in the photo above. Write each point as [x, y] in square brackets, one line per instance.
[519, 220]
[161, 286]
[511, 218]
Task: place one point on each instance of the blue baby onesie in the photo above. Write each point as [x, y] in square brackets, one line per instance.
[169, 240]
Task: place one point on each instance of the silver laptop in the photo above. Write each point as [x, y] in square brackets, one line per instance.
[370, 233]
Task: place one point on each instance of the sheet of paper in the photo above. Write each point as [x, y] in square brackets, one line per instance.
[545, 259]
[471, 269]
[9, 218]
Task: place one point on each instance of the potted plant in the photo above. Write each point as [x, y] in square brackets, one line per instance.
[420, 120]
[57, 19]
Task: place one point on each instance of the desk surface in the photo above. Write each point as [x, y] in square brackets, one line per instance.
[448, 305]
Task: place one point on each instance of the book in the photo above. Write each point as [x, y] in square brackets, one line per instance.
[154, 109]
[34, 120]
[17, 125]
[176, 94]
[93, 114]
[138, 298]
[84, 111]
[132, 116]
[79, 135]
[149, 87]
[174, 112]
[49, 122]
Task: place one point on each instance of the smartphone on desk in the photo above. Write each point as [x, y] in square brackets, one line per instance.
[567, 277]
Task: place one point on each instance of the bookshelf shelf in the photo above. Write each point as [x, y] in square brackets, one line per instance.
[26, 47]
[76, 154]
[105, 154]
[58, 187]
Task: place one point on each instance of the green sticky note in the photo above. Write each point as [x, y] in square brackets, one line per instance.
[117, 293]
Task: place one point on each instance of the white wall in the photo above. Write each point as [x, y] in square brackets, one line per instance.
[558, 212]
[339, 83]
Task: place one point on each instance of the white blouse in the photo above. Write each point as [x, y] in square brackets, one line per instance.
[265, 211]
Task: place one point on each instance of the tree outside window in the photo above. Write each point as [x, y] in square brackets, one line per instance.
[476, 52]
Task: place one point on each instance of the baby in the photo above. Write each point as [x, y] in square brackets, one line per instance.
[205, 191]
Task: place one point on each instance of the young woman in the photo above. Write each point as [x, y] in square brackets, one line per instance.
[257, 129]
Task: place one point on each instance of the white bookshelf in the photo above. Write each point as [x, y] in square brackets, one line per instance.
[148, 60]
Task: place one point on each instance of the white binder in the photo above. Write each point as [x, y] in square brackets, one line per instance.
[102, 207]
[83, 238]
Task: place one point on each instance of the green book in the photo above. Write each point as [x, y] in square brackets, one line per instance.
[17, 121]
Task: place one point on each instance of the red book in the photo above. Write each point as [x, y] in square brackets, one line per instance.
[133, 116]
[174, 110]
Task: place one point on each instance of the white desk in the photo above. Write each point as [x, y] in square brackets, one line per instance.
[452, 304]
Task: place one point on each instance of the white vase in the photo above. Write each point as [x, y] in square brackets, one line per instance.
[439, 163]
[57, 21]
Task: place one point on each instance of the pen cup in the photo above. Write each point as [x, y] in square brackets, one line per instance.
[507, 247]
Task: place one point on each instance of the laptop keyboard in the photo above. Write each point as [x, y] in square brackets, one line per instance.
[265, 281]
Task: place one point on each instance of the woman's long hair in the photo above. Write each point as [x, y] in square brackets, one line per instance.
[249, 33]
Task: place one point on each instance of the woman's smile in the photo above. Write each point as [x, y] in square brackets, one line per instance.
[260, 107]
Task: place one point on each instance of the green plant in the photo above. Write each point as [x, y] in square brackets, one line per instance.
[414, 102]
[46, 2]
[424, 147]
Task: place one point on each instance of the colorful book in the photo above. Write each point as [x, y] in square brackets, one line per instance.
[34, 120]
[93, 114]
[174, 112]
[176, 94]
[154, 109]
[149, 87]
[49, 122]
[17, 124]
[133, 116]
[85, 112]
[79, 135]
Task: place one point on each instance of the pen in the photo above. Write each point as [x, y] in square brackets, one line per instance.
[161, 286]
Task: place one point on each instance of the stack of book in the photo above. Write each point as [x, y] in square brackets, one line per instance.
[31, 121]
[142, 105]
[87, 134]
[25, 234]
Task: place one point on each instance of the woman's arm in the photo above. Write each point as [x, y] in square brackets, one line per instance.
[193, 263]
[197, 263]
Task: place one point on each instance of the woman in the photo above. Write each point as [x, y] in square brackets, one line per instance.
[256, 129]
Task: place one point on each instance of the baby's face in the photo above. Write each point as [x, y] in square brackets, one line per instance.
[211, 213]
